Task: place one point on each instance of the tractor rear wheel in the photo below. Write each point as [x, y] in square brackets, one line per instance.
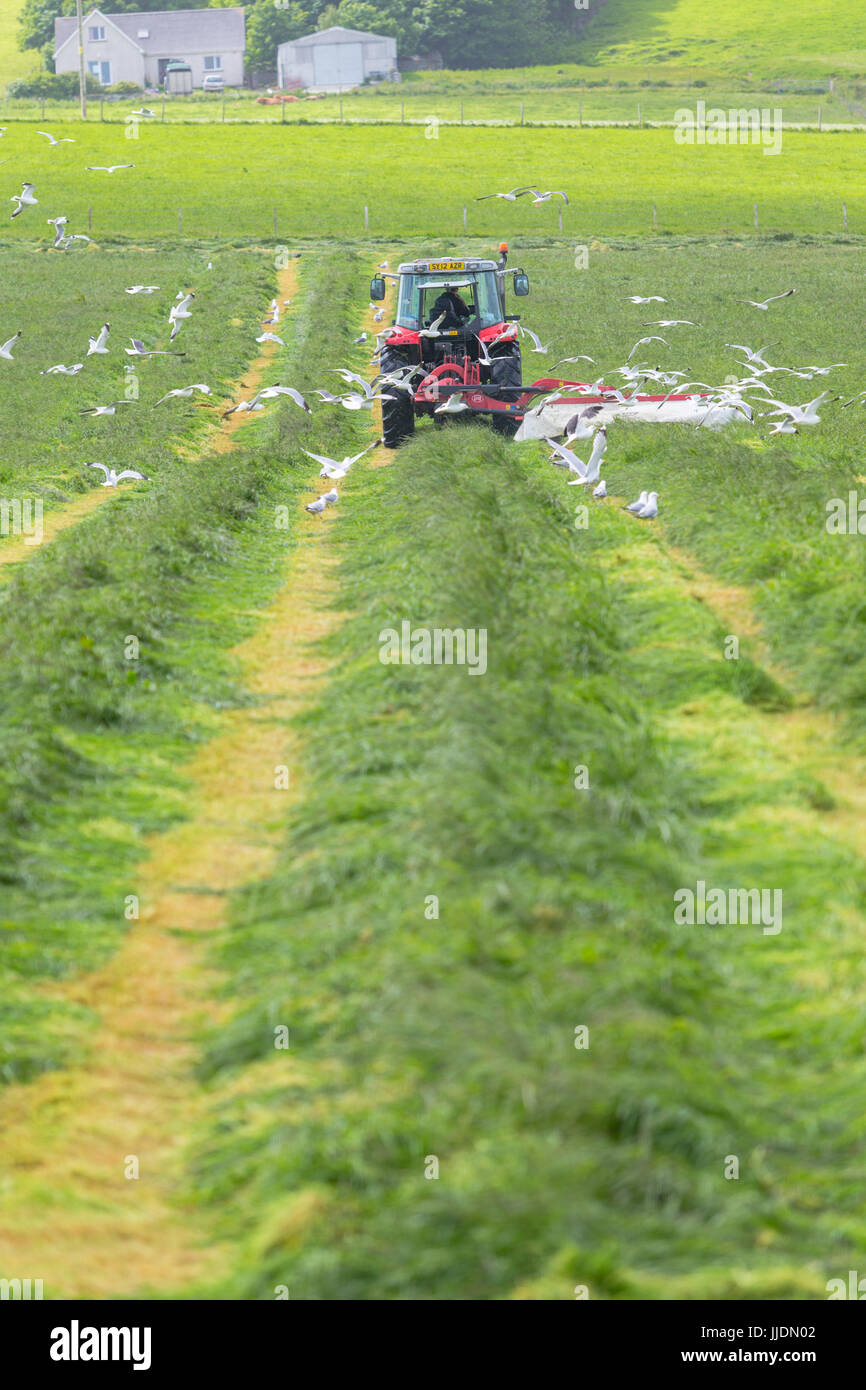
[506, 370]
[398, 408]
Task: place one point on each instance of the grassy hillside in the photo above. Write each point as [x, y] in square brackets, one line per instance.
[13, 63]
[739, 36]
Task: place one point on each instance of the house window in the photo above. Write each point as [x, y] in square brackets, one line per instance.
[101, 71]
[213, 64]
[97, 33]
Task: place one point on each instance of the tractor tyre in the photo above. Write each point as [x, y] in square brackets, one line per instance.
[398, 413]
[506, 371]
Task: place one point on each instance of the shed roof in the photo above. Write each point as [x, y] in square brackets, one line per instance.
[336, 34]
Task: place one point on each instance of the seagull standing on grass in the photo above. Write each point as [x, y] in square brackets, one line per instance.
[650, 508]
[112, 478]
[318, 506]
[636, 506]
[600, 490]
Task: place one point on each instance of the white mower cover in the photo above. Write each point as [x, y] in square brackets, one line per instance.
[551, 420]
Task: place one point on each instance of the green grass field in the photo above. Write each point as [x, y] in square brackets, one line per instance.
[613, 176]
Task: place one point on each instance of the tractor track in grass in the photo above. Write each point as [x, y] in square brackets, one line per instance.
[16, 550]
[67, 1208]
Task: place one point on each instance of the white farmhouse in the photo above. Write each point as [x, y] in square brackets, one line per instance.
[137, 47]
[334, 59]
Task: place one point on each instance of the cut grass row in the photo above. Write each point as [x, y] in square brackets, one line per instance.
[318, 180]
[92, 743]
[417, 1036]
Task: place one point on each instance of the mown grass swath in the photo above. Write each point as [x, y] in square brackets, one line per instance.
[92, 746]
[454, 1037]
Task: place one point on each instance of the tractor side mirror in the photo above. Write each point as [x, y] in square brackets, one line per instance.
[377, 287]
[521, 283]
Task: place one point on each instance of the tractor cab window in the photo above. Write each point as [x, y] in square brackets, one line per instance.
[419, 293]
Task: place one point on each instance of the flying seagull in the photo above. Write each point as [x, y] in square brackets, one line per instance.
[139, 350]
[765, 303]
[24, 199]
[61, 370]
[185, 391]
[269, 393]
[800, 414]
[103, 409]
[540, 198]
[593, 466]
[640, 342]
[99, 343]
[107, 168]
[645, 299]
[145, 111]
[270, 338]
[539, 346]
[6, 348]
[331, 468]
[671, 323]
[64, 139]
[112, 478]
[142, 289]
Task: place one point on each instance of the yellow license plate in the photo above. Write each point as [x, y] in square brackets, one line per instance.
[447, 265]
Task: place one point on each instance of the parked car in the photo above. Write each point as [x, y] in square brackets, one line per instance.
[212, 82]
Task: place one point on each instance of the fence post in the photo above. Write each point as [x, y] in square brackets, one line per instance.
[402, 113]
[162, 113]
[366, 218]
[341, 108]
[655, 217]
[639, 116]
[282, 113]
[521, 112]
[43, 110]
[580, 112]
[464, 218]
[90, 219]
[756, 216]
[820, 116]
[101, 108]
[180, 219]
[560, 218]
[224, 105]
[845, 216]
[461, 113]
[275, 221]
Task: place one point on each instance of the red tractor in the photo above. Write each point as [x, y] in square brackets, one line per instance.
[452, 328]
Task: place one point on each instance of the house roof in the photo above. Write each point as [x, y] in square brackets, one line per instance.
[167, 30]
[335, 35]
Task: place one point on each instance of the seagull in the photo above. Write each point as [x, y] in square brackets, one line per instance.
[103, 409]
[107, 168]
[636, 506]
[784, 427]
[142, 289]
[800, 414]
[185, 391]
[59, 224]
[178, 312]
[640, 343]
[330, 496]
[270, 392]
[98, 344]
[64, 140]
[112, 478]
[593, 467]
[145, 111]
[650, 508]
[600, 490]
[60, 370]
[509, 197]
[139, 350]
[582, 357]
[24, 199]
[752, 357]
[581, 426]
[318, 506]
[539, 346]
[453, 406]
[433, 330]
[540, 198]
[270, 338]
[383, 266]
[859, 397]
[564, 458]
[765, 303]
[362, 338]
[645, 299]
[6, 348]
[331, 468]
[67, 241]
[671, 323]
[379, 315]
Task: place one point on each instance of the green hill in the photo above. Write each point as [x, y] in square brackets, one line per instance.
[13, 63]
[798, 37]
